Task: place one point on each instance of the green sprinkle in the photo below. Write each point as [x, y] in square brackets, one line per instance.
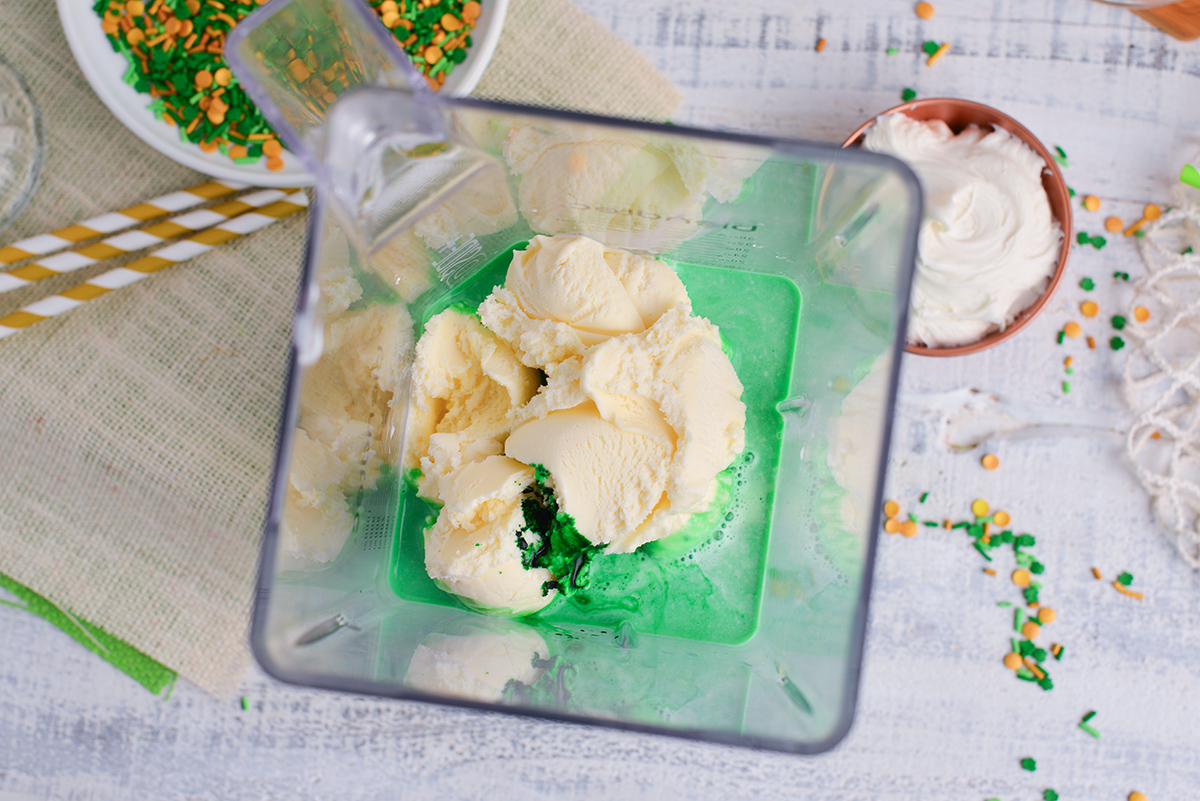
[1060, 337]
[979, 547]
[1090, 730]
[1125, 578]
[1031, 594]
[1029, 764]
[930, 47]
[1124, 276]
[1139, 233]
[908, 95]
[1099, 242]
[1026, 674]
[1026, 541]
[1083, 238]
[1037, 567]
[1190, 176]
[1038, 654]
[1089, 716]
[246, 703]
[1003, 536]
[975, 530]
[1066, 387]
[891, 51]
[1185, 252]
[1070, 371]
[932, 523]
[1058, 656]
[1018, 619]
[1046, 684]
[1118, 322]
[1015, 647]
[912, 517]
[1025, 647]
[1004, 603]
[1062, 153]
[1087, 284]
[1024, 559]
[1070, 192]
[963, 524]
[1116, 343]
[924, 495]
[1049, 795]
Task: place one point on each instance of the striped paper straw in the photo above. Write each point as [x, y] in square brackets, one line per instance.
[184, 249]
[117, 221]
[132, 241]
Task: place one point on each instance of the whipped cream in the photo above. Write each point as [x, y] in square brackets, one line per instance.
[988, 244]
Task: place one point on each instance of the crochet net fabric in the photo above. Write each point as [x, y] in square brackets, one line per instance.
[1162, 375]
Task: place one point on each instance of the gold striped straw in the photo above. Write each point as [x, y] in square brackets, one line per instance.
[117, 220]
[184, 249]
[133, 241]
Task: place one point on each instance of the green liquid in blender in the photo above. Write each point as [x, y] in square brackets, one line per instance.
[704, 582]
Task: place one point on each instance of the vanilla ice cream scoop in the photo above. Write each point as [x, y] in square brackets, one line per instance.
[564, 294]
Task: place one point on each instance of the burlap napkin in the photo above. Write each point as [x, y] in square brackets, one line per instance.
[138, 430]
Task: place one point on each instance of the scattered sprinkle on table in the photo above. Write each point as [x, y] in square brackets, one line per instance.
[1091, 203]
[1089, 308]
[908, 95]
[1118, 322]
[1001, 518]
[1091, 343]
[891, 51]
[1072, 330]
[1087, 285]
[1084, 238]
[924, 10]
[820, 45]
[1136, 796]
[1121, 276]
[941, 51]
[891, 508]
[1083, 724]
[891, 525]
[1096, 573]
[1060, 156]
[990, 460]
[1141, 314]
[924, 495]
[1113, 225]
[980, 508]
[1046, 615]
[1067, 362]
[245, 703]
[930, 47]
[908, 528]
[1116, 343]
[1049, 795]
[1029, 764]
[1125, 578]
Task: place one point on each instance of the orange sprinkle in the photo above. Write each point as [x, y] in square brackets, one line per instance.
[1151, 212]
[1034, 604]
[1047, 615]
[946, 524]
[1001, 518]
[1156, 435]
[1096, 573]
[990, 461]
[1031, 630]
[1021, 578]
[1121, 588]
[1089, 308]
[1091, 343]
[1113, 225]
[908, 528]
[989, 571]
[1067, 362]
[1012, 660]
[1056, 649]
[820, 45]
[1091, 203]
[208, 147]
[1072, 329]
[891, 508]
[203, 79]
[891, 525]
[237, 152]
[924, 10]
[1037, 671]
[1141, 314]
[271, 148]
[1131, 230]
[275, 164]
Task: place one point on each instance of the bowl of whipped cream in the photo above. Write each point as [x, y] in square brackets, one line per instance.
[996, 229]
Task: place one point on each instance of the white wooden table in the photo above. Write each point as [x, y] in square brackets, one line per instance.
[939, 716]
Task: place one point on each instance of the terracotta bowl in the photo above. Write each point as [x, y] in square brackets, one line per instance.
[958, 114]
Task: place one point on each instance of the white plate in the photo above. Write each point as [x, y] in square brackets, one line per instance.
[105, 69]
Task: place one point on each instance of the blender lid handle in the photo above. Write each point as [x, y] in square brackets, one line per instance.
[295, 58]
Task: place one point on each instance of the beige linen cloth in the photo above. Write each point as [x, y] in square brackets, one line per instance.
[138, 431]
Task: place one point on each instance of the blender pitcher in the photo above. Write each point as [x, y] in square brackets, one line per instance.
[750, 629]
